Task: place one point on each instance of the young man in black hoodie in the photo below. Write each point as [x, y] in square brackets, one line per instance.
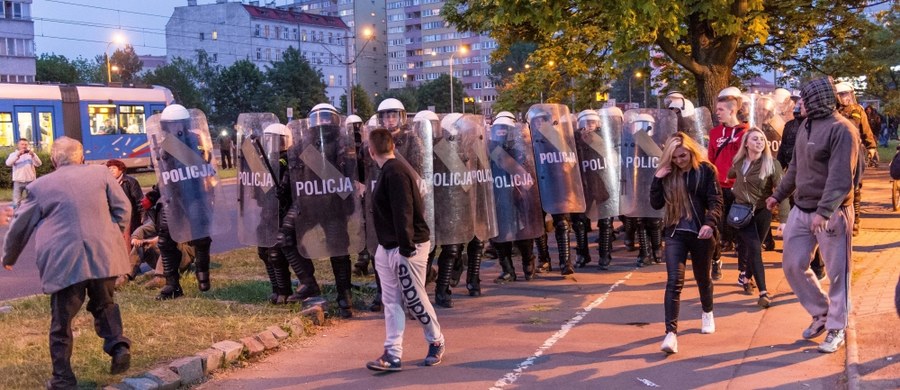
[402, 254]
[821, 176]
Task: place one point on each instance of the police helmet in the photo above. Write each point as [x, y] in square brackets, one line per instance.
[505, 114]
[843, 86]
[175, 112]
[277, 130]
[587, 115]
[780, 95]
[644, 122]
[324, 114]
[683, 106]
[730, 91]
[391, 105]
[353, 119]
[448, 123]
[501, 128]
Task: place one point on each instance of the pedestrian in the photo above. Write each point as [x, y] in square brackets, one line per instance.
[23, 161]
[226, 144]
[822, 176]
[133, 191]
[81, 252]
[401, 255]
[756, 175]
[686, 185]
[868, 149]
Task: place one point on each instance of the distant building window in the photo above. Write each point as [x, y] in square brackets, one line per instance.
[202, 36]
[331, 38]
[215, 35]
[259, 53]
[303, 36]
[294, 32]
[215, 57]
[267, 31]
[256, 31]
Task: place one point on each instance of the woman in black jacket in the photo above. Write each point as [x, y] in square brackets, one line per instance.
[686, 185]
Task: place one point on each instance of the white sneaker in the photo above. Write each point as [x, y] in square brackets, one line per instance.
[708, 323]
[670, 343]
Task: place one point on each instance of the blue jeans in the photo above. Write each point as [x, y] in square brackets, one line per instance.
[18, 192]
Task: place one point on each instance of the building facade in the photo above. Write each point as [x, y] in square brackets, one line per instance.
[421, 46]
[17, 59]
[367, 52]
[232, 31]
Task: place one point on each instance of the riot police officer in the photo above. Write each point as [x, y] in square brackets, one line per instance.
[850, 109]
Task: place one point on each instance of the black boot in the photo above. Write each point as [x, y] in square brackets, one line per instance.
[654, 235]
[282, 276]
[448, 256]
[525, 249]
[263, 254]
[377, 305]
[458, 268]
[341, 267]
[769, 242]
[361, 267]
[473, 276]
[630, 226]
[171, 258]
[303, 267]
[644, 257]
[604, 228]
[504, 258]
[430, 273]
[201, 262]
[583, 256]
[544, 254]
[562, 243]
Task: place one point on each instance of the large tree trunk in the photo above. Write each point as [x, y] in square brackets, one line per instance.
[710, 82]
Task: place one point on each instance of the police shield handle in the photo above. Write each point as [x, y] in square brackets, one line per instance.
[643, 141]
[512, 167]
[253, 159]
[454, 164]
[331, 179]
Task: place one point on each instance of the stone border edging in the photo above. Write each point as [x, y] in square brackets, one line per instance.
[852, 368]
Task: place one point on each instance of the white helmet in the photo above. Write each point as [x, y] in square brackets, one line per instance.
[373, 121]
[686, 107]
[843, 86]
[449, 121]
[780, 95]
[766, 103]
[500, 129]
[280, 130]
[611, 111]
[324, 114]
[730, 91]
[392, 105]
[587, 115]
[425, 115]
[175, 112]
[505, 114]
[353, 119]
[504, 121]
[644, 122]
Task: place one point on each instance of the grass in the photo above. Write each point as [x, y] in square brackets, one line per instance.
[885, 155]
[160, 331]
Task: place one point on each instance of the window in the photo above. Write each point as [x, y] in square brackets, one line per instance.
[103, 119]
[215, 35]
[331, 38]
[303, 36]
[268, 54]
[286, 34]
[277, 32]
[294, 34]
[266, 29]
[202, 36]
[215, 57]
[259, 53]
[256, 31]
[131, 119]
[15, 10]
[6, 129]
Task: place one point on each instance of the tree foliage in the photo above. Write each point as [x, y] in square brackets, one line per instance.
[583, 45]
[54, 68]
[128, 63]
[88, 71]
[181, 77]
[362, 103]
[437, 93]
[295, 83]
[239, 88]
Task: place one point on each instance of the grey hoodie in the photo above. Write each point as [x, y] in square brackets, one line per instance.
[825, 154]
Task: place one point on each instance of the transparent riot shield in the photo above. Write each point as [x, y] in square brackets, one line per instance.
[556, 159]
[417, 148]
[697, 126]
[258, 176]
[182, 152]
[454, 186]
[322, 163]
[646, 131]
[485, 212]
[598, 156]
[770, 123]
[517, 198]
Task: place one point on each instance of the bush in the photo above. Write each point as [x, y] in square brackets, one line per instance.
[6, 172]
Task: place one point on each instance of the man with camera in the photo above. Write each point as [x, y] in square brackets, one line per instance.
[23, 161]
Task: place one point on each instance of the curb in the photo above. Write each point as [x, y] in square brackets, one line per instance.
[852, 370]
[192, 370]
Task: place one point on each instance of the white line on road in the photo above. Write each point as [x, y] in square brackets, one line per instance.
[512, 376]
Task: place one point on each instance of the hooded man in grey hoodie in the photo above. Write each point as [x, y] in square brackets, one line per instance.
[821, 176]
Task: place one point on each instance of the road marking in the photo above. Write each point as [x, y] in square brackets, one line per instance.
[647, 382]
[512, 376]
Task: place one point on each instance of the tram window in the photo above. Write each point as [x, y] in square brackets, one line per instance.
[103, 119]
[6, 129]
[45, 121]
[131, 119]
[25, 120]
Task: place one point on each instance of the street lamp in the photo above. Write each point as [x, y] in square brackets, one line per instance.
[118, 39]
[462, 50]
[367, 33]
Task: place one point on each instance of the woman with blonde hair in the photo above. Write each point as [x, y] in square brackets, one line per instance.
[686, 185]
[756, 175]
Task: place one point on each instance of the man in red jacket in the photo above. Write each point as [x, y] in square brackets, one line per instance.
[724, 143]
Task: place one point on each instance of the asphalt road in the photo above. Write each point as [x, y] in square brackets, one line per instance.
[24, 280]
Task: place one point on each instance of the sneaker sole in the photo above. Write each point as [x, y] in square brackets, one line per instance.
[669, 350]
[380, 368]
[433, 364]
[817, 334]
[826, 350]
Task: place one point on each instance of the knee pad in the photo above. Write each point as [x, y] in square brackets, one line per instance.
[562, 224]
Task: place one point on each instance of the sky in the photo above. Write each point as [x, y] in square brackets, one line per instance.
[85, 27]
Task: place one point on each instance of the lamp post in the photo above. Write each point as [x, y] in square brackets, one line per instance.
[119, 39]
[462, 50]
[367, 33]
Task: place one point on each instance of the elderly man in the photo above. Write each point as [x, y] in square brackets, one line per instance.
[80, 252]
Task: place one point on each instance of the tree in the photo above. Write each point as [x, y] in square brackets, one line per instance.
[408, 96]
[583, 44]
[513, 62]
[362, 104]
[239, 88]
[88, 71]
[55, 69]
[128, 63]
[181, 77]
[294, 84]
[437, 93]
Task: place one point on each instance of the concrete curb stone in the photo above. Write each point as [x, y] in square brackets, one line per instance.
[164, 377]
[267, 339]
[253, 346]
[189, 369]
[231, 349]
[212, 359]
[140, 383]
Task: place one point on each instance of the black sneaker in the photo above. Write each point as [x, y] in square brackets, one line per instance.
[435, 354]
[386, 362]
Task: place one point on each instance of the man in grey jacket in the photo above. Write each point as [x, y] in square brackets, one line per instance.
[822, 172]
[80, 251]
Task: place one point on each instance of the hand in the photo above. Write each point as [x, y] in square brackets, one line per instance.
[706, 232]
[771, 203]
[6, 216]
[819, 224]
[663, 171]
[7, 267]
[136, 242]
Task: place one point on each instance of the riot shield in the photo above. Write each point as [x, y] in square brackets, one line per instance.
[372, 172]
[556, 159]
[485, 212]
[417, 149]
[322, 164]
[258, 173]
[185, 170]
[454, 186]
[517, 198]
[599, 161]
[697, 126]
[646, 131]
[770, 123]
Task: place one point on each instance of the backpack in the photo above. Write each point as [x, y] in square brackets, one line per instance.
[895, 166]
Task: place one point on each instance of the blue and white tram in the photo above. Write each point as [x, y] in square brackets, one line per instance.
[109, 121]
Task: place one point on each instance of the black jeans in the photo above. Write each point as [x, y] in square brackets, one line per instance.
[677, 249]
[726, 232]
[226, 159]
[750, 249]
[64, 305]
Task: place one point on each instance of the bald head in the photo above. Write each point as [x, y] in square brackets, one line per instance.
[66, 151]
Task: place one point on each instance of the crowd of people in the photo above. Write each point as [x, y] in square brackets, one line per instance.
[406, 194]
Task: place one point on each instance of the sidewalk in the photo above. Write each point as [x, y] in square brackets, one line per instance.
[603, 329]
